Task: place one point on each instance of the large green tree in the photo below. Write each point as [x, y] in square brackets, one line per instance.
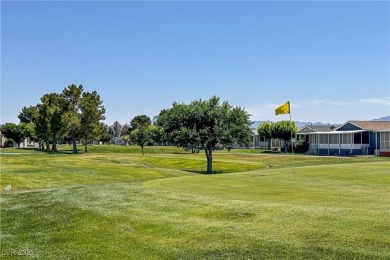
[73, 115]
[206, 123]
[265, 130]
[91, 113]
[17, 133]
[157, 134]
[71, 118]
[42, 126]
[28, 115]
[141, 136]
[40, 117]
[125, 129]
[106, 133]
[52, 108]
[140, 121]
[284, 130]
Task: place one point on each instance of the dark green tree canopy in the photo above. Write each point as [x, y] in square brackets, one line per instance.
[52, 109]
[71, 115]
[204, 124]
[140, 121]
[91, 113]
[71, 118]
[125, 129]
[105, 133]
[28, 115]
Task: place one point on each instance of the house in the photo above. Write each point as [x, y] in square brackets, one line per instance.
[351, 138]
[318, 128]
[262, 143]
[118, 141]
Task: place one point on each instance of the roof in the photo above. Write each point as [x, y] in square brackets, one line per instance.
[369, 125]
[317, 128]
[334, 132]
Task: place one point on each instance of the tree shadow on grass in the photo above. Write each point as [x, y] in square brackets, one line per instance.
[205, 172]
[50, 151]
[271, 152]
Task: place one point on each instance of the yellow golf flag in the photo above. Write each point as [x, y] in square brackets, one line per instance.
[283, 109]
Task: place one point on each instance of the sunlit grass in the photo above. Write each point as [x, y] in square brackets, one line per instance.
[115, 203]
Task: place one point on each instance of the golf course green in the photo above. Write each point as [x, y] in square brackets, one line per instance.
[114, 203]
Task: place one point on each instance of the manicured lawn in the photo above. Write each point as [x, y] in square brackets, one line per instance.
[115, 203]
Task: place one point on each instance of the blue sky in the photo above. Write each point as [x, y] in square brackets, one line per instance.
[330, 59]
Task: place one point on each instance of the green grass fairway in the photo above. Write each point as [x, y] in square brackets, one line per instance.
[114, 203]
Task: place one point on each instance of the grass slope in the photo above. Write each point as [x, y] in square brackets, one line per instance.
[115, 203]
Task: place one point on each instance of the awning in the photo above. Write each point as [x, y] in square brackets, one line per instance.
[333, 132]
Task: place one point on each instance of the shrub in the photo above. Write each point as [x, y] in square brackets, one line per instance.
[301, 147]
[8, 143]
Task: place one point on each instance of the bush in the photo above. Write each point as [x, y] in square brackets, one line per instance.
[301, 147]
[8, 143]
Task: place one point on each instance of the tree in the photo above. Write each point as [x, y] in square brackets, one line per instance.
[73, 114]
[141, 136]
[28, 115]
[91, 113]
[38, 117]
[140, 121]
[266, 130]
[71, 117]
[125, 129]
[42, 126]
[52, 108]
[204, 124]
[284, 130]
[105, 133]
[117, 129]
[157, 134]
[17, 132]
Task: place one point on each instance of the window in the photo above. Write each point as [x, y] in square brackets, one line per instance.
[365, 138]
[324, 139]
[346, 138]
[385, 141]
[357, 138]
[334, 139]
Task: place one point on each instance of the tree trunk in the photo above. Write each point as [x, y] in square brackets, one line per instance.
[86, 147]
[73, 136]
[209, 156]
[74, 144]
[269, 144]
[47, 145]
[54, 146]
[142, 147]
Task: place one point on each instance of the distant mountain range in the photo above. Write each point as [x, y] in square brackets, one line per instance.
[385, 118]
[299, 124]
